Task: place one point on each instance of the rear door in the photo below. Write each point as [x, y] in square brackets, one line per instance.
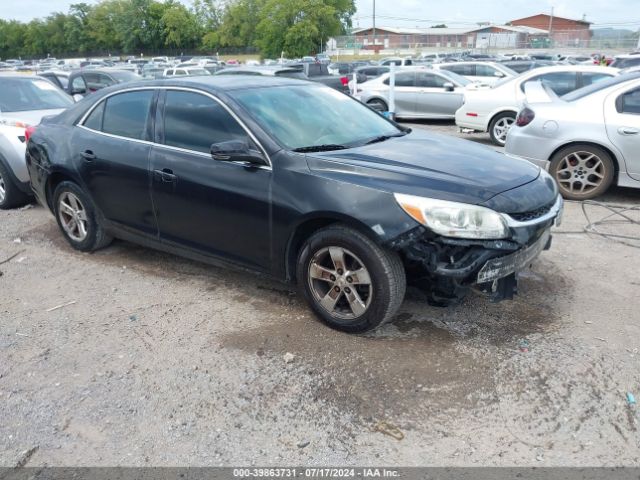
[622, 120]
[433, 99]
[405, 93]
[111, 150]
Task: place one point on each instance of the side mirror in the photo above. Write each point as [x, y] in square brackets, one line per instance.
[498, 74]
[449, 87]
[77, 97]
[237, 151]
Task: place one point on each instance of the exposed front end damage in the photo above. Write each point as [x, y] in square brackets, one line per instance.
[447, 268]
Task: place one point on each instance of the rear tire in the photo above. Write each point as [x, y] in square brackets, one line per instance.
[378, 105]
[77, 219]
[499, 127]
[10, 195]
[350, 283]
[582, 171]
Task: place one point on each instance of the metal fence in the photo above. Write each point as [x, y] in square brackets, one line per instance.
[485, 41]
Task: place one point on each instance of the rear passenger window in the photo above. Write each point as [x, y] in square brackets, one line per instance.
[407, 79]
[94, 121]
[127, 114]
[195, 122]
[591, 78]
[560, 82]
[629, 103]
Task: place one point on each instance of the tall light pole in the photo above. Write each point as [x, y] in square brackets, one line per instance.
[374, 25]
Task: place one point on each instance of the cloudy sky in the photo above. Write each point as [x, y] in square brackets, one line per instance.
[422, 13]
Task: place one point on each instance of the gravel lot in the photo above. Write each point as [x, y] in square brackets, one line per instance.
[163, 361]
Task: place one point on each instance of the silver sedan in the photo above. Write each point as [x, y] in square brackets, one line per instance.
[419, 93]
[588, 139]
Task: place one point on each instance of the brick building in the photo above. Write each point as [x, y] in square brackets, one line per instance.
[563, 31]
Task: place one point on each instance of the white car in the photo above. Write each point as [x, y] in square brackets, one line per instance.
[24, 100]
[494, 109]
[588, 139]
[488, 73]
[185, 72]
[420, 92]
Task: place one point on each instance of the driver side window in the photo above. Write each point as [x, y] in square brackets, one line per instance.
[194, 122]
[78, 85]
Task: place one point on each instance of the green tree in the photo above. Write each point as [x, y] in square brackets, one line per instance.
[239, 22]
[12, 35]
[181, 28]
[300, 27]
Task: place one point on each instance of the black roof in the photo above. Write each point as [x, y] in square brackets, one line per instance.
[215, 83]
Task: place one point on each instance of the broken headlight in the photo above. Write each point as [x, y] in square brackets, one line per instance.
[453, 219]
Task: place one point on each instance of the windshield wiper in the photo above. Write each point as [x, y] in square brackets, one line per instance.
[320, 148]
[383, 138]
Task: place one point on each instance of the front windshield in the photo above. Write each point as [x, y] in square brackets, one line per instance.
[307, 116]
[20, 95]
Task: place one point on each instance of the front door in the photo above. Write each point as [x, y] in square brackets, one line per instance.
[433, 99]
[622, 118]
[405, 93]
[210, 206]
[112, 153]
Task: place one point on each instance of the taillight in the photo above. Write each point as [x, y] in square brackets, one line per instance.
[28, 132]
[345, 81]
[525, 117]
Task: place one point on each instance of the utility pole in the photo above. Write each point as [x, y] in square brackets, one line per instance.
[374, 25]
[551, 25]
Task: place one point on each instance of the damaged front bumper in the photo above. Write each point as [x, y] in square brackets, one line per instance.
[447, 268]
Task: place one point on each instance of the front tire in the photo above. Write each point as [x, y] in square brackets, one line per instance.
[350, 283]
[582, 171]
[77, 219]
[500, 126]
[10, 195]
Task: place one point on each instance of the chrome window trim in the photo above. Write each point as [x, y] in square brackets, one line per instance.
[82, 120]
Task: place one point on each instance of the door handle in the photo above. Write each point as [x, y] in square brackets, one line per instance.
[88, 155]
[165, 175]
[628, 131]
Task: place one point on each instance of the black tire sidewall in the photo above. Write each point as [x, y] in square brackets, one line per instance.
[601, 153]
[377, 101]
[14, 197]
[375, 314]
[89, 242]
[493, 124]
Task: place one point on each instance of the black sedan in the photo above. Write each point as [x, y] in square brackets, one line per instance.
[297, 181]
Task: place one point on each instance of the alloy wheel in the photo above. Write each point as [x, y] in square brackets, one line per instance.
[501, 129]
[340, 283]
[580, 172]
[73, 216]
[3, 190]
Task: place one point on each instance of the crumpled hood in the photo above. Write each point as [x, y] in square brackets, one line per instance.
[427, 164]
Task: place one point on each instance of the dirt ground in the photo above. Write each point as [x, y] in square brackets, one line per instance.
[156, 360]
